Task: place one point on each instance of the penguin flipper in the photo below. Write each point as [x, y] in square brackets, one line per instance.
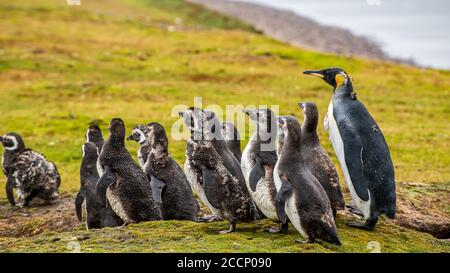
[256, 174]
[103, 183]
[210, 182]
[81, 195]
[9, 188]
[281, 198]
[353, 149]
[157, 188]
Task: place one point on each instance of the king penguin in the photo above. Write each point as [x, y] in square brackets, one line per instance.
[361, 149]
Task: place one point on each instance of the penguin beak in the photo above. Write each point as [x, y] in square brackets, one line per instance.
[130, 137]
[301, 105]
[246, 111]
[315, 73]
[181, 114]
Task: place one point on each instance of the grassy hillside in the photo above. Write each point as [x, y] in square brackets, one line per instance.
[62, 67]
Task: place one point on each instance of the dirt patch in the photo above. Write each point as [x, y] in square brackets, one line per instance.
[424, 208]
[38, 217]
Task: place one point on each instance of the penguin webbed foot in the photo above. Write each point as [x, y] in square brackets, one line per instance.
[283, 228]
[230, 230]
[368, 225]
[122, 226]
[308, 241]
[209, 219]
[354, 210]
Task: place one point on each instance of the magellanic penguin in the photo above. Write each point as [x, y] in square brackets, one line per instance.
[97, 215]
[94, 135]
[28, 172]
[317, 159]
[170, 188]
[361, 149]
[204, 125]
[122, 182]
[299, 194]
[221, 188]
[232, 139]
[140, 135]
[259, 159]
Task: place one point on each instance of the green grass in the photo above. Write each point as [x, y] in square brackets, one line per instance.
[62, 67]
[176, 236]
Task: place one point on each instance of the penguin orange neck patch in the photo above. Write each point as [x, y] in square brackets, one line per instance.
[340, 80]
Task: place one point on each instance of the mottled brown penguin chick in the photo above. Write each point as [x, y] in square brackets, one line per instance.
[221, 188]
[171, 190]
[317, 159]
[28, 172]
[300, 197]
[122, 181]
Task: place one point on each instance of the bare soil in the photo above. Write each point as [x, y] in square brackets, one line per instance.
[38, 217]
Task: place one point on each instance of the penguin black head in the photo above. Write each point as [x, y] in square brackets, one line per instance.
[117, 128]
[139, 134]
[202, 123]
[94, 134]
[264, 118]
[333, 76]
[157, 135]
[12, 142]
[90, 150]
[290, 127]
[309, 110]
[229, 131]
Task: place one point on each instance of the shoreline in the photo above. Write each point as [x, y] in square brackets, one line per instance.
[297, 30]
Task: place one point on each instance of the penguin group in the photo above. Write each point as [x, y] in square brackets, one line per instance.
[282, 174]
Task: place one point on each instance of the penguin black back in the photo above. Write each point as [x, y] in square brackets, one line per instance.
[98, 215]
[170, 187]
[300, 194]
[317, 159]
[125, 184]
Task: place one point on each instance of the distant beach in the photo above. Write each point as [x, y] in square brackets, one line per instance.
[369, 31]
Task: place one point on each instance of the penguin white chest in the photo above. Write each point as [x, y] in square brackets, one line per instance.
[291, 206]
[99, 168]
[197, 189]
[330, 125]
[141, 158]
[262, 195]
